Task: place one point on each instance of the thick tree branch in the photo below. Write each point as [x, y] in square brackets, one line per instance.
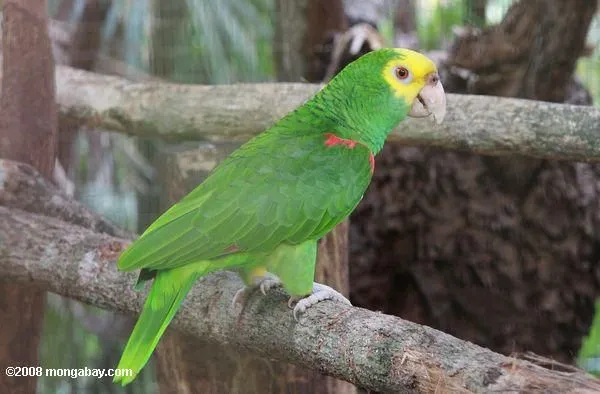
[370, 349]
[487, 125]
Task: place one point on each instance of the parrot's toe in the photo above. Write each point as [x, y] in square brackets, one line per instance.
[264, 283]
[319, 293]
[240, 296]
[268, 283]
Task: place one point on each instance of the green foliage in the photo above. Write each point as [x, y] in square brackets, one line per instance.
[69, 343]
[436, 18]
[588, 68]
[386, 29]
[230, 38]
[434, 25]
[207, 41]
[589, 353]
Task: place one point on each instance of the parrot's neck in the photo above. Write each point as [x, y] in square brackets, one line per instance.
[374, 140]
[371, 131]
[355, 119]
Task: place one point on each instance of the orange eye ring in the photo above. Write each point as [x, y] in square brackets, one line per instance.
[402, 73]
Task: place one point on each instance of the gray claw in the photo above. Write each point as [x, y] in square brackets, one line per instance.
[240, 295]
[268, 283]
[264, 283]
[319, 293]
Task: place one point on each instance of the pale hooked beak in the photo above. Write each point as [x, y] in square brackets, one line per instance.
[430, 100]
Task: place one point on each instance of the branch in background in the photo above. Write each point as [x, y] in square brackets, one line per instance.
[369, 349]
[22, 187]
[486, 125]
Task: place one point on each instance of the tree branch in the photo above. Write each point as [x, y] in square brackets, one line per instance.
[483, 124]
[22, 187]
[369, 349]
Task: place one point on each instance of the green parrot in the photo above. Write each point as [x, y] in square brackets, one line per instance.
[262, 210]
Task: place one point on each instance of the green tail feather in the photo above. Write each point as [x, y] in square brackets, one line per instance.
[165, 297]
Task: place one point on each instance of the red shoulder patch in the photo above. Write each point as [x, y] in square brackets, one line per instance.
[333, 140]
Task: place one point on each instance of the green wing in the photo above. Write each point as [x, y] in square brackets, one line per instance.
[279, 187]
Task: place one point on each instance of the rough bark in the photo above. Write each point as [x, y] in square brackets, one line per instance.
[372, 350]
[502, 251]
[28, 124]
[221, 113]
[28, 120]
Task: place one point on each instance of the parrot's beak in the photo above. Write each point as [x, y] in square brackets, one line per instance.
[430, 100]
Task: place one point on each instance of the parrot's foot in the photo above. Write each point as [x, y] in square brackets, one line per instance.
[264, 283]
[319, 293]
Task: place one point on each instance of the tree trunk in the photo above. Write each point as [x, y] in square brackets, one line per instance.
[28, 124]
[405, 25]
[500, 251]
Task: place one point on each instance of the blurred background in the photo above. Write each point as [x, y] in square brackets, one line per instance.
[503, 277]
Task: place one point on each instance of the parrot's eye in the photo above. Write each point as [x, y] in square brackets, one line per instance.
[402, 73]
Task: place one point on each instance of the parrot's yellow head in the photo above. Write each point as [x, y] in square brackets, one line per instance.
[414, 77]
[393, 83]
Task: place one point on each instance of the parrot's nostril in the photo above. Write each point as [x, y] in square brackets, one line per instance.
[434, 78]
